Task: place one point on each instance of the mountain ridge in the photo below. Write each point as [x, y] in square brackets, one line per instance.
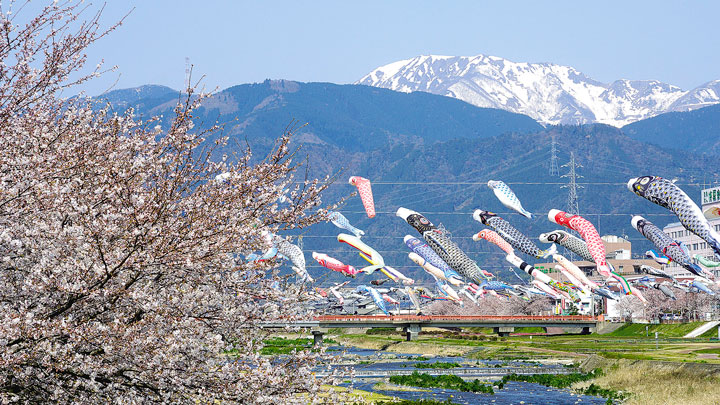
[549, 93]
[349, 116]
[696, 131]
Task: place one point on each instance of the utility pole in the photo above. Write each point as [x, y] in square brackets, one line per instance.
[572, 186]
[554, 170]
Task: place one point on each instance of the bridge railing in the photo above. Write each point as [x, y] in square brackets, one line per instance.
[430, 318]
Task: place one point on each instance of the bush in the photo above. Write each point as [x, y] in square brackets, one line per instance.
[610, 395]
[452, 382]
[553, 380]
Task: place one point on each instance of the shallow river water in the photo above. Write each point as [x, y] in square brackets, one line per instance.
[519, 393]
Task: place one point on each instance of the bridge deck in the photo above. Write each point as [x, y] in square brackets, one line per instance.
[415, 322]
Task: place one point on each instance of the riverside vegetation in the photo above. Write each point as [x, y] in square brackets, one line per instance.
[279, 345]
[566, 381]
[551, 380]
[451, 382]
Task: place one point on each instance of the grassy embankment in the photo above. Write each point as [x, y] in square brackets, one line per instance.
[710, 334]
[654, 382]
[627, 342]
[664, 330]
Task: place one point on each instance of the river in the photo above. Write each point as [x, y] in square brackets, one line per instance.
[375, 362]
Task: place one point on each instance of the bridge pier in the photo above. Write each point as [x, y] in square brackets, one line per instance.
[504, 330]
[412, 332]
[318, 335]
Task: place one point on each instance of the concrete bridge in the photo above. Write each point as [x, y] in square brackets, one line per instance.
[413, 324]
[463, 372]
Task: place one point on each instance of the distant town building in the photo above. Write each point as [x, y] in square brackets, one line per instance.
[618, 252]
[710, 199]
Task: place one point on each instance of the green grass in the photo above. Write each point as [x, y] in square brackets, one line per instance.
[711, 351]
[451, 382]
[382, 331]
[487, 331]
[279, 341]
[664, 330]
[712, 333]
[460, 342]
[630, 356]
[630, 344]
[619, 347]
[533, 329]
[279, 345]
[274, 350]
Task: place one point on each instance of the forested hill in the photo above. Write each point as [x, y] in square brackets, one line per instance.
[351, 117]
[696, 131]
[418, 163]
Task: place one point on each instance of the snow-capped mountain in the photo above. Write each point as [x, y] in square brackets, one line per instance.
[551, 94]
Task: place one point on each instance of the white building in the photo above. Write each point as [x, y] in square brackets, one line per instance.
[616, 248]
[618, 252]
[711, 208]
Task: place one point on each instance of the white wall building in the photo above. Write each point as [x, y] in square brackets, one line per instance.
[711, 208]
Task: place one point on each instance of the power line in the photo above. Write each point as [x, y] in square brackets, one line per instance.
[510, 213]
[368, 237]
[537, 183]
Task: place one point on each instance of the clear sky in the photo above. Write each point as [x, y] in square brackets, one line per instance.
[234, 42]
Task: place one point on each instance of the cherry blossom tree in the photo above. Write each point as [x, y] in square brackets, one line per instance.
[120, 277]
[630, 306]
[688, 305]
[657, 303]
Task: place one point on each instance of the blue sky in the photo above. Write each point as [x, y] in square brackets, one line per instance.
[234, 42]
